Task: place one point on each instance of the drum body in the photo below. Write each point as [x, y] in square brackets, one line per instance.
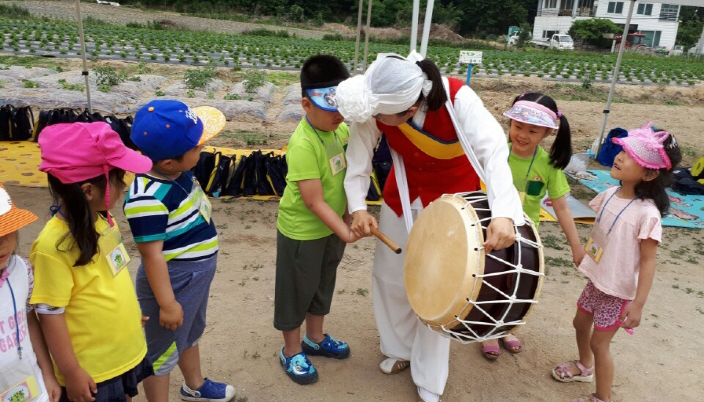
[454, 286]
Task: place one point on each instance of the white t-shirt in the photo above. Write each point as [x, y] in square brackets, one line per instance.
[20, 376]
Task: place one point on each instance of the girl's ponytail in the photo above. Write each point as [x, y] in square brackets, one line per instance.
[437, 96]
[561, 151]
[78, 213]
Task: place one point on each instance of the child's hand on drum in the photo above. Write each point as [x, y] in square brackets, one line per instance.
[499, 234]
[363, 222]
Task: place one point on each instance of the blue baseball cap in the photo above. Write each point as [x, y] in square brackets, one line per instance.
[324, 98]
[166, 129]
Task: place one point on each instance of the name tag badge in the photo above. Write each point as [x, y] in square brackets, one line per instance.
[338, 163]
[118, 259]
[25, 391]
[594, 250]
[206, 209]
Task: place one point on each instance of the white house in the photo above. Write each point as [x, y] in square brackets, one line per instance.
[658, 21]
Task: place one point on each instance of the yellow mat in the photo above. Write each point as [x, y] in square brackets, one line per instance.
[19, 165]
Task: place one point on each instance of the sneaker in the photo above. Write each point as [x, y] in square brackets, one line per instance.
[210, 391]
[298, 368]
[329, 347]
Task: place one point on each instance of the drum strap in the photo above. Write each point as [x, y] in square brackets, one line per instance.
[402, 183]
[464, 141]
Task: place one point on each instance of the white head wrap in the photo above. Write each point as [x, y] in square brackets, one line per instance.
[392, 84]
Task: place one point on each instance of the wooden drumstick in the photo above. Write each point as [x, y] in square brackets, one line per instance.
[385, 239]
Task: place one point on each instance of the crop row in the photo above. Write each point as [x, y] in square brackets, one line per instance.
[199, 48]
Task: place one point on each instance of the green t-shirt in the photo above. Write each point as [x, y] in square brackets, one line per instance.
[544, 177]
[308, 158]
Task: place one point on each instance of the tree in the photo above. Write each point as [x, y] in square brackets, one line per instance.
[483, 17]
[592, 31]
[524, 36]
[691, 25]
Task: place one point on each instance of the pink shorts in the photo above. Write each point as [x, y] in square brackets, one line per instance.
[606, 309]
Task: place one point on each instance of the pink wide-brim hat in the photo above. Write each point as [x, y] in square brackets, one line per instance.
[646, 147]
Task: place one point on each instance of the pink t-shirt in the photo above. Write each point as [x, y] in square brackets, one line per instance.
[616, 274]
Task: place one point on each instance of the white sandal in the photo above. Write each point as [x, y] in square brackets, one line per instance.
[563, 373]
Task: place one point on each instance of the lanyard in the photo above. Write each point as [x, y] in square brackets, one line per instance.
[319, 137]
[530, 167]
[17, 324]
[598, 220]
[176, 183]
[56, 209]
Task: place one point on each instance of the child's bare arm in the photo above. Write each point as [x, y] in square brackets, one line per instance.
[170, 311]
[43, 358]
[80, 386]
[632, 314]
[312, 195]
[564, 217]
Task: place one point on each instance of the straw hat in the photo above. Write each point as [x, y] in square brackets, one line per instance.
[12, 218]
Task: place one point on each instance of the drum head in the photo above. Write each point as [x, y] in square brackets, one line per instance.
[442, 256]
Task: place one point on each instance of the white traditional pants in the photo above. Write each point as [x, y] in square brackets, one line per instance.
[402, 335]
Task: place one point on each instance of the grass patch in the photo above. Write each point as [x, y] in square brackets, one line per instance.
[248, 137]
[557, 261]
[552, 241]
[14, 12]
[579, 191]
[25, 61]
[71, 87]
[282, 78]
[268, 33]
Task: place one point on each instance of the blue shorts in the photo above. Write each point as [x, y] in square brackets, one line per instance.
[190, 281]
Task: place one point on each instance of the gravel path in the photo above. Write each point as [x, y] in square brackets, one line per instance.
[66, 10]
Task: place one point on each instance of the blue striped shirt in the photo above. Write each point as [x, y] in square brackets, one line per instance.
[161, 209]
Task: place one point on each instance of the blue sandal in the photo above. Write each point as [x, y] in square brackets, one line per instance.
[298, 368]
[329, 347]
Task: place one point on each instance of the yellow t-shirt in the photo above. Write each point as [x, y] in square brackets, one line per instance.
[102, 312]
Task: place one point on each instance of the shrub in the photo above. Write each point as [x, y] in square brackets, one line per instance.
[254, 79]
[107, 76]
[199, 78]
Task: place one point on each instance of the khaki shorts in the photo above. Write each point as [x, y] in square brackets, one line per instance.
[305, 278]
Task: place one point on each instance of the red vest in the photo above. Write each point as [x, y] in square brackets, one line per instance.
[428, 177]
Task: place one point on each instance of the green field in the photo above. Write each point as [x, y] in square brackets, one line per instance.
[60, 39]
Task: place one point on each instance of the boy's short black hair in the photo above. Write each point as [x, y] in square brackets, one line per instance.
[322, 71]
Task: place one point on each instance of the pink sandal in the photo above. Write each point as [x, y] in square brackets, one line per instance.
[491, 352]
[512, 346]
[588, 398]
[562, 372]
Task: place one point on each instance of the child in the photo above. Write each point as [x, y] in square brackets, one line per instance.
[312, 223]
[621, 254]
[169, 215]
[82, 291]
[534, 117]
[24, 376]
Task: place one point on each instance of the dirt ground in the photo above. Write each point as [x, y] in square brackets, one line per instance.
[240, 344]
